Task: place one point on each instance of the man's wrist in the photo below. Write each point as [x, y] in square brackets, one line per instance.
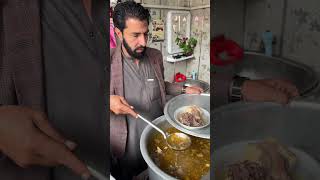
[235, 88]
[183, 89]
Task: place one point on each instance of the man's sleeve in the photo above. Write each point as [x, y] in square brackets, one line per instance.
[173, 88]
[170, 88]
[222, 81]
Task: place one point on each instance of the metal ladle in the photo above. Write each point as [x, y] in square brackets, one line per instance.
[176, 141]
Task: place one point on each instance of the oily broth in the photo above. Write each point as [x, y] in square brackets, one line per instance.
[190, 164]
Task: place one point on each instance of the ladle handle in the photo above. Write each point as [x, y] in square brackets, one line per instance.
[96, 174]
[154, 126]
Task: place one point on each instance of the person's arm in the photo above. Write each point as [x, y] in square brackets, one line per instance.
[28, 139]
[245, 89]
[226, 88]
[171, 88]
[175, 89]
[269, 90]
[262, 90]
[118, 106]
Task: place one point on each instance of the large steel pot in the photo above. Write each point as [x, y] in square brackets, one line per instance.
[155, 173]
[259, 66]
[296, 125]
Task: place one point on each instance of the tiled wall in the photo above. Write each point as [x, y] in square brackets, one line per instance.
[170, 68]
[302, 32]
[228, 18]
[182, 3]
[195, 3]
[200, 28]
[295, 24]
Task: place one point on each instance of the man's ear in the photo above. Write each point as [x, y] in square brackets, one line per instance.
[118, 33]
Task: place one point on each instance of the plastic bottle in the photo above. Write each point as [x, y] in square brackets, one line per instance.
[194, 75]
[267, 38]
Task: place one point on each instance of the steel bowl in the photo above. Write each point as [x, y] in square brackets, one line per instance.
[205, 118]
[186, 100]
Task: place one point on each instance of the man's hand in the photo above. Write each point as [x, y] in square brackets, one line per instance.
[119, 105]
[28, 139]
[268, 91]
[283, 86]
[194, 90]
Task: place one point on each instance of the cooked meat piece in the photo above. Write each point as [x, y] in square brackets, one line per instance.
[246, 170]
[190, 120]
[265, 160]
[191, 117]
[195, 111]
[277, 159]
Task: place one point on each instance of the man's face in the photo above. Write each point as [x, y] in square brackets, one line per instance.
[134, 37]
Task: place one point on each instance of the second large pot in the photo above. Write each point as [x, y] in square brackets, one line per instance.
[155, 173]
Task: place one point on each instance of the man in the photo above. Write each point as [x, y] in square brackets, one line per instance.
[52, 79]
[137, 86]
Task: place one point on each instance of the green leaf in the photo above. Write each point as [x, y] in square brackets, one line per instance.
[187, 45]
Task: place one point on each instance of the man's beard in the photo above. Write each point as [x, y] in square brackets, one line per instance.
[134, 53]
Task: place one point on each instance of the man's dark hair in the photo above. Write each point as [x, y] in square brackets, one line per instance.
[129, 9]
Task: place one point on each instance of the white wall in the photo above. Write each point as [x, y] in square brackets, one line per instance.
[302, 32]
[228, 19]
[199, 29]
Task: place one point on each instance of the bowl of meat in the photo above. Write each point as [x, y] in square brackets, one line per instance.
[190, 113]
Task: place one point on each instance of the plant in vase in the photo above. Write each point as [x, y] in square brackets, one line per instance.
[186, 44]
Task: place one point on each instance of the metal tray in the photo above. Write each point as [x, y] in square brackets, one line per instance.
[187, 100]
